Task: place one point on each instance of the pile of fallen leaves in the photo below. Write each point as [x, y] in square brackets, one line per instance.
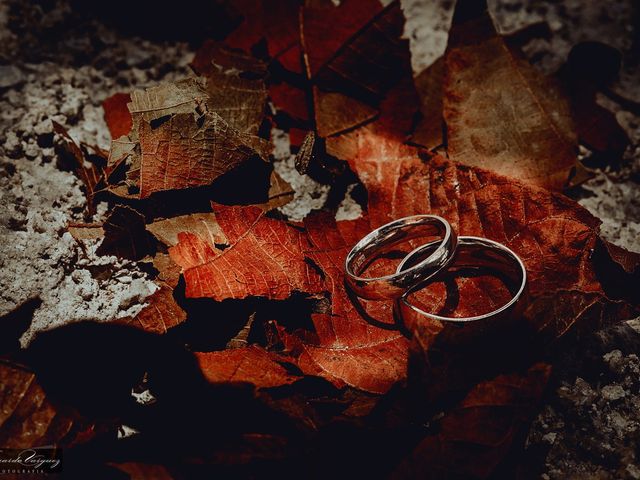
[251, 359]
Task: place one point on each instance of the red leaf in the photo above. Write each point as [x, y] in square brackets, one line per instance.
[289, 99]
[251, 364]
[117, 115]
[475, 435]
[355, 48]
[274, 21]
[326, 28]
[348, 349]
[265, 259]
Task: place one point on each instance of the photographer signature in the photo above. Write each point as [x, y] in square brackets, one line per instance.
[31, 458]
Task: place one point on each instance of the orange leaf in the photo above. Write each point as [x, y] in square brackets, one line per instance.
[251, 364]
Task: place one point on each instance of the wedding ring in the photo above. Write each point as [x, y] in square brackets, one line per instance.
[473, 253]
[382, 240]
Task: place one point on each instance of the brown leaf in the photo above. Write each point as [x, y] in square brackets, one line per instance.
[250, 364]
[162, 311]
[241, 339]
[501, 113]
[265, 258]
[239, 101]
[204, 225]
[179, 140]
[86, 231]
[212, 55]
[234, 85]
[476, 435]
[116, 114]
[306, 153]
[428, 131]
[628, 260]
[185, 152]
[280, 193]
[89, 174]
[28, 418]
[125, 235]
[184, 96]
[336, 112]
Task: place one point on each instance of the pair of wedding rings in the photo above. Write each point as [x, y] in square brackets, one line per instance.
[429, 263]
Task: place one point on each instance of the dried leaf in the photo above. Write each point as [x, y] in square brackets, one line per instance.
[336, 113]
[89, 174]
[185, 96]
[161, 314]
[306, 153]
[362, 350]
[251, 364]
[265, 259]
[276, 22]
[428, 131]
[185, 152]
[204, 225]
[326, 28]
[476, 435]
[28, 418]
[212, 56]
[117, 115]
[554, 236]
[355, 47]
[241, 339]
[239, 101]
[291, 100]
[86, 231]
[280, 193]
[125, 235]
[162, 311]
[553, 315]
[501, 113]
[629, 261]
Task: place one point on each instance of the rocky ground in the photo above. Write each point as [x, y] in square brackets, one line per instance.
[57, 64]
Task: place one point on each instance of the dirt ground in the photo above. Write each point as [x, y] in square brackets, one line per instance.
[59, 64]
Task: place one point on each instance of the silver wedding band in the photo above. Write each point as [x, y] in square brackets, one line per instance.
[429, 263]
[383, 239]
[472, 253]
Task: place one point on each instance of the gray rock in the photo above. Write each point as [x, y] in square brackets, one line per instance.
[612, 393]
[10, 76]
